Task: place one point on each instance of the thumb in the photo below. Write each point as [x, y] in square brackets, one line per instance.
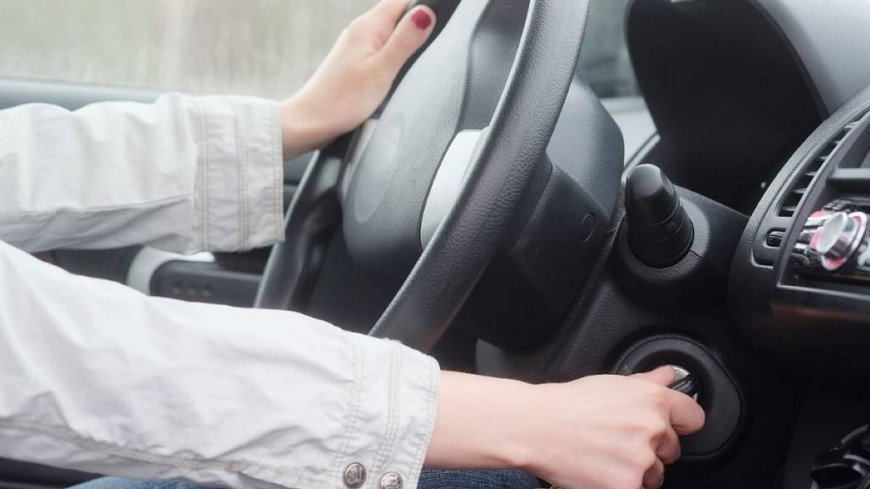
[663, 375]
[410, 34]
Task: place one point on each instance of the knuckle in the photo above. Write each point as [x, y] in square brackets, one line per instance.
[654, 427]
[645, 459]
[659, 399]
[356, 29]
[660, 428]
[631, 479]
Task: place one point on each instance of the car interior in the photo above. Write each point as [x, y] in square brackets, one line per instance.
[515, 223]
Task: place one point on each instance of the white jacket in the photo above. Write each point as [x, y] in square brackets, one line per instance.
[95, 376]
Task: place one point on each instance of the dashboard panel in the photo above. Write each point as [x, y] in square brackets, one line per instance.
[760, 106]
[799, 280]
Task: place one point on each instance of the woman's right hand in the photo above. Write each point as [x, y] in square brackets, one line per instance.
[612, 432]
[604, 432]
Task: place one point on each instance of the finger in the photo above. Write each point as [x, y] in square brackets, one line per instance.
[687, 417]
[390, 10]
[655, 477]
[662, 375]
[410, 34]
[669, 449]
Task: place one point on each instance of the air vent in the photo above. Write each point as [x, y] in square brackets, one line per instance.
[792, 201]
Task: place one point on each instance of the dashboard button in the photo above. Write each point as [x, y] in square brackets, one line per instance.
[775, 239]
[838, 206]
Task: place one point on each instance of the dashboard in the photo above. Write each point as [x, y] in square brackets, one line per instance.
[761, 106]
[800, 282]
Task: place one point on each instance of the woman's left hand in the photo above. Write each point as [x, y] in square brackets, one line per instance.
[356, 76]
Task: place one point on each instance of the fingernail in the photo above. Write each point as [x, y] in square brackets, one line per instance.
[421, 19]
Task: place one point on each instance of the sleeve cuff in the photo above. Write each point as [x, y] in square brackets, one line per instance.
[391, 423]
[240, 175]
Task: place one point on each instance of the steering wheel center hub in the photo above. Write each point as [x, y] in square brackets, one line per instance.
[375, 178]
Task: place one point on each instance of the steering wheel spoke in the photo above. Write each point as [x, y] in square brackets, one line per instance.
[425, 197]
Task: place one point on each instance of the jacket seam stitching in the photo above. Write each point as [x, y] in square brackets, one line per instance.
[352, 419]
[206, 190]
[392, 423]
[277, 172]
[200, 175]
[242, 168]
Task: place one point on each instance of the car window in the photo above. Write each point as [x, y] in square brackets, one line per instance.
[258, 47]
[604, 60]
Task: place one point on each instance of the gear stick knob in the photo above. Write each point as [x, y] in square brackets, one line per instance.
[660, 233]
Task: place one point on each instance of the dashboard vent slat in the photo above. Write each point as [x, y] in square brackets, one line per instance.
[790, 205]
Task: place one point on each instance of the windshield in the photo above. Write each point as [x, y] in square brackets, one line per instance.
[604, 61]
[256, 47]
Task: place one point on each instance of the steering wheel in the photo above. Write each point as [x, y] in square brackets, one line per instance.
[454, 166]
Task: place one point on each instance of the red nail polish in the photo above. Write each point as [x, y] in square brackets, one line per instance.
[421, 19]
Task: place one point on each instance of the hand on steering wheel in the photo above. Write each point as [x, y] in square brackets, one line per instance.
[356, 76]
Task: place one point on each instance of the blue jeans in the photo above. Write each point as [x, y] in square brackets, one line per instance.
[430, 479]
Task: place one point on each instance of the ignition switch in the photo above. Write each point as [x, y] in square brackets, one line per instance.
[686, 383]
[699, 373]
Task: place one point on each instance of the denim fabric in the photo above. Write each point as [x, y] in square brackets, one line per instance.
[478, 479]
[430, 479]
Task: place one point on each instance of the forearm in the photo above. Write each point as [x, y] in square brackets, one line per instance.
[98, 378]
[183, 174]
[302, 128]
[482, 423]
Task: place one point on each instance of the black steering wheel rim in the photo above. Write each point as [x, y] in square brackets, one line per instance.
[503, 184]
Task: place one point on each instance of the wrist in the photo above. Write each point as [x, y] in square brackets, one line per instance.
[484, 423]
[526, 447]
[301, 127]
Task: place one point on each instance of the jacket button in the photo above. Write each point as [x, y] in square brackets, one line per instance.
[355, 475]
[391, 480]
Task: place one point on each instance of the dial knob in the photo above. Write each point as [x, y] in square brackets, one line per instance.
[836, 237]
[839, 238]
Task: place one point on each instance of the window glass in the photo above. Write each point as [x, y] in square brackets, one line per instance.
[257, 47]
[604, 61]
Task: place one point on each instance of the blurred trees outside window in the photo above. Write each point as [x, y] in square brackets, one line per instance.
[256, 47]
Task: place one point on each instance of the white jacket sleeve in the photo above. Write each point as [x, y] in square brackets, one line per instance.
[184, 174]
[96, 377]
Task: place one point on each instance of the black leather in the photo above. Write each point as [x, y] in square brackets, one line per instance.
[312, 219]
[454, 86]
[498, 184]
[383, 193]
